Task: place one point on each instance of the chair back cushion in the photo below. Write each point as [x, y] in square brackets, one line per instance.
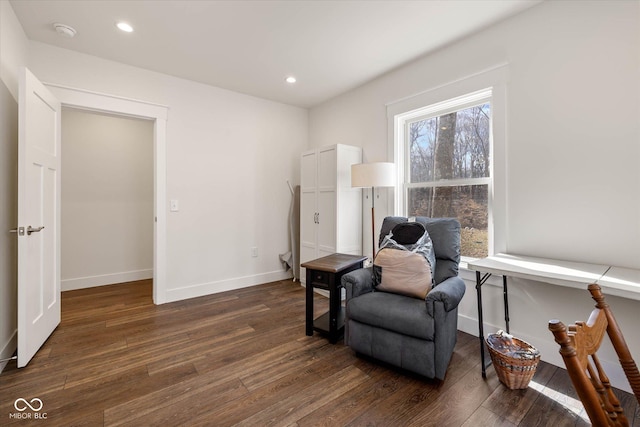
[445, 235]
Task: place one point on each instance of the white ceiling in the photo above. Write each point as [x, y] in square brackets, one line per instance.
[251, 46]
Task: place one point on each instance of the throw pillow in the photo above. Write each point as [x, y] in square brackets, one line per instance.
[405, 260]
[403, 272]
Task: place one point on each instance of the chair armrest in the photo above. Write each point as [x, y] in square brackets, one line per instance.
[449, 292]
[358, 282]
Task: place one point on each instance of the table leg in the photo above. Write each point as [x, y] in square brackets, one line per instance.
[334, 300]
[506, 302]
[309, 304]
[480, 322]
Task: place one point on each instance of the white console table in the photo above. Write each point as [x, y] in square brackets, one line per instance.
[617, 281]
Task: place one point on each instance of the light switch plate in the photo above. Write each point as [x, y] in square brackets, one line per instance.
[173, 205]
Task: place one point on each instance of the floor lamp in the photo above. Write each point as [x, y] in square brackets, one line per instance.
[380, 174]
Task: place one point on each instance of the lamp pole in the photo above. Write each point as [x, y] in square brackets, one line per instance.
[365, 175]
[373, 224]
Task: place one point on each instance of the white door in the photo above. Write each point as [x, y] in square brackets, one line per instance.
[38, 216]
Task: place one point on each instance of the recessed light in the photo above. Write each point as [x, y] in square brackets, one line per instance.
[290, 79]
[125, 27]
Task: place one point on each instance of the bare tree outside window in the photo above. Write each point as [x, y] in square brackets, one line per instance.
[443, 151]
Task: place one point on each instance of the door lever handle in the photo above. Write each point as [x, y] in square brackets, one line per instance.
[34, 230]
[30, 229]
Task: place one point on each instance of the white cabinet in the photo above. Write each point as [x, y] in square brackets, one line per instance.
[330, 209]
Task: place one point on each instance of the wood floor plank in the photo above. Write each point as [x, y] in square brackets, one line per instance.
[484, 417]
[379, 387]
[180, 410]
[399, 407]
[121, 360]
[183, 390]
[273, 369]
[630, 406]
[247, 350]
[417, 393]
[557, 404]
[258, 400]
[199, 351]
[242, 358]
[469, 393]
[75, 405]
[157, 400]
[513, 405]
[292, 408]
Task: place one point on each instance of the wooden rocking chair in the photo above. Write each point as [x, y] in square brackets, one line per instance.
[581, 341]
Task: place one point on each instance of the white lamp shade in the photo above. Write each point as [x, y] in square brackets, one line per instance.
[380, 174]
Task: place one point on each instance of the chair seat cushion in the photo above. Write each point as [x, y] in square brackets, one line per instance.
[397, 313]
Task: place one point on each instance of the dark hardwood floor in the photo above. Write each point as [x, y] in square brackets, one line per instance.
[242, 358]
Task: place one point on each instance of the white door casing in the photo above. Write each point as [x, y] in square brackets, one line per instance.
[38, 206]
[111, 104]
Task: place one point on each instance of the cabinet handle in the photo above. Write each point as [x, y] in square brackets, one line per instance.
[318, 218]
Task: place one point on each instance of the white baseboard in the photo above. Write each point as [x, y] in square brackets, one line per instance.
[9, 349]
[203, 289]
[105, 279]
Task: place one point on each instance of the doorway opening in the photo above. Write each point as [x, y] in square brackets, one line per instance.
[106, 199]
[110, 105]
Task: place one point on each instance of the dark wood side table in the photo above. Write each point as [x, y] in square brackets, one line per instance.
[326, 273]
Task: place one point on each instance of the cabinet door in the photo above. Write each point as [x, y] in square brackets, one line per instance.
[309, 171]
[326, 222]
[308, 226]
[327, 168]
[327, 158]
[308, 207]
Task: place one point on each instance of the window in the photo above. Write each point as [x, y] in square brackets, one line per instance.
[446, 171]
[466, 177]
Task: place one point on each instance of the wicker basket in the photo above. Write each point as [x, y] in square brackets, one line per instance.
[514, 372]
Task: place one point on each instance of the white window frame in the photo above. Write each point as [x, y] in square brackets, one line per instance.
[486, 86]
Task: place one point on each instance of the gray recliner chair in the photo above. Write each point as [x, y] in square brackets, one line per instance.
[410, 333]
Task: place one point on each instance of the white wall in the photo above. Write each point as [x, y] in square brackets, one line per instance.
[13, 54]
[14, 47]
[573, 145]
[228, 159]
[107, 199]
[8, 220]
